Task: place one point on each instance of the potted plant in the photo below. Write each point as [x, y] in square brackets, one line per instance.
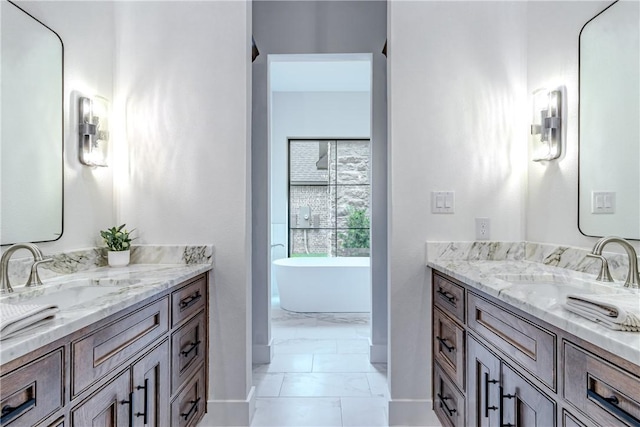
[118, 241]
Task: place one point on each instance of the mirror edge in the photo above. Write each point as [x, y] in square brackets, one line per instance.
[62, 98]
[579, 120]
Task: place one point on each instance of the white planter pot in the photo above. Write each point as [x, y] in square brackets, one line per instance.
[118, 258]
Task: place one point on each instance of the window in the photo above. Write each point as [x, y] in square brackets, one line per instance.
[329, 197]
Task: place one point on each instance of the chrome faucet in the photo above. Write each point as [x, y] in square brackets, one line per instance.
[633, 278]
[34, 277]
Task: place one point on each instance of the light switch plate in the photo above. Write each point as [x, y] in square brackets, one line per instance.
[442, 202]
[603, 202]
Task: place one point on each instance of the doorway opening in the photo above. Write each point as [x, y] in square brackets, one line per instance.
[315, 101]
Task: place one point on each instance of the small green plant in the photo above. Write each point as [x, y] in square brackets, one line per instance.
[357, 236]
[117, 238]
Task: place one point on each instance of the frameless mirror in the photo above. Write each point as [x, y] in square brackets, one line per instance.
[31, 139]
[609, 175]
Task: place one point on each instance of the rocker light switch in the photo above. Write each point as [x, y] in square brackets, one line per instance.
[603, 202]
[442, 202]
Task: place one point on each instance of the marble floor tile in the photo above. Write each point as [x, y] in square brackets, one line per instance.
[342, 363]
[286, 363]
[297, 412]
[378, 384]
[363, 331]
[328, 332]
[332, 319]
[304, 346]
[279, 333]
[325, 385]
[364, 411]
[356, 345]
[268, 385]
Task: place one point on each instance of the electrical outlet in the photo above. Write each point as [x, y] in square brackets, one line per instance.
[483, 229]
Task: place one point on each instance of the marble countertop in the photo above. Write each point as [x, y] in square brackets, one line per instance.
[126, 286]
[544, 299]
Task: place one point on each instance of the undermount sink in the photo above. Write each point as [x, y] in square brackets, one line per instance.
[66, 298]
[553, 288]
[64, 295]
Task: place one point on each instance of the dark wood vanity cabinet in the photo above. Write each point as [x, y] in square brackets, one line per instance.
[518, 370]
[141, 367]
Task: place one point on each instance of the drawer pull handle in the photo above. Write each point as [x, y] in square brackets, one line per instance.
[488, 408]
[9, 413]
[190, 300]
[443, 403]
[502, 397]
[611, 405]
[194, 409]
[144, 387]
[443, 341]
[448, 295]
[192, 347]
[130, 403]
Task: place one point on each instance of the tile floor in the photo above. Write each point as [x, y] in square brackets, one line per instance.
[320, 373]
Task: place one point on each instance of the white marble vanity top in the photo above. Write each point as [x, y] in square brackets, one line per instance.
[127, 286]
[544, 294]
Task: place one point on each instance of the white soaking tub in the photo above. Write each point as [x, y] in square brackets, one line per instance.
[325, 285]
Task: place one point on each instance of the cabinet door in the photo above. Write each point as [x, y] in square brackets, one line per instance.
[108, 407]
[151, 388]
[483, 388]
[523, 405]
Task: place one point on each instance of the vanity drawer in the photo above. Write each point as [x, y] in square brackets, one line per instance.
[449, 346]
[97, 354]
[602, 391]
[533, 347]
[449, 297]
[188, 300]
[190, 405]
[33, 391]
[448, 402]
[188, 347]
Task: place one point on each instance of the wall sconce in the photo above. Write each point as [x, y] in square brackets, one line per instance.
[94, 131]
[546, 127]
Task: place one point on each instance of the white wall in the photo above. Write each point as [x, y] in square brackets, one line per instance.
[86, 30]
[457, 121]
[183, 79]
[552, 54]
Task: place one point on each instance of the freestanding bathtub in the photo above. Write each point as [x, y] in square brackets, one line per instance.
[338, 285]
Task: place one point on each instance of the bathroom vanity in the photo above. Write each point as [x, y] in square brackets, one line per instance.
[505, 357]
[138, 358]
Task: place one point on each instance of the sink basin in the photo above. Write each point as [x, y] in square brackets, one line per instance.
[553, 288]
[63, 295]
[65, 298]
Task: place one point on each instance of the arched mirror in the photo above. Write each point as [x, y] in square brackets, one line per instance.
[31, 141]
[609, 183]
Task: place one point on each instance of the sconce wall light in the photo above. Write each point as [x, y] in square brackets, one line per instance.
[94, 131]
[546, 126]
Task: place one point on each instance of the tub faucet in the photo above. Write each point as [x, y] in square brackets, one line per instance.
[633, 278]
[34, 278]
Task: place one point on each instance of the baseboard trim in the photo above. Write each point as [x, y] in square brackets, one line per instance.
[412, 412]
[225, 413]
[262, 353]
[378, 353]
